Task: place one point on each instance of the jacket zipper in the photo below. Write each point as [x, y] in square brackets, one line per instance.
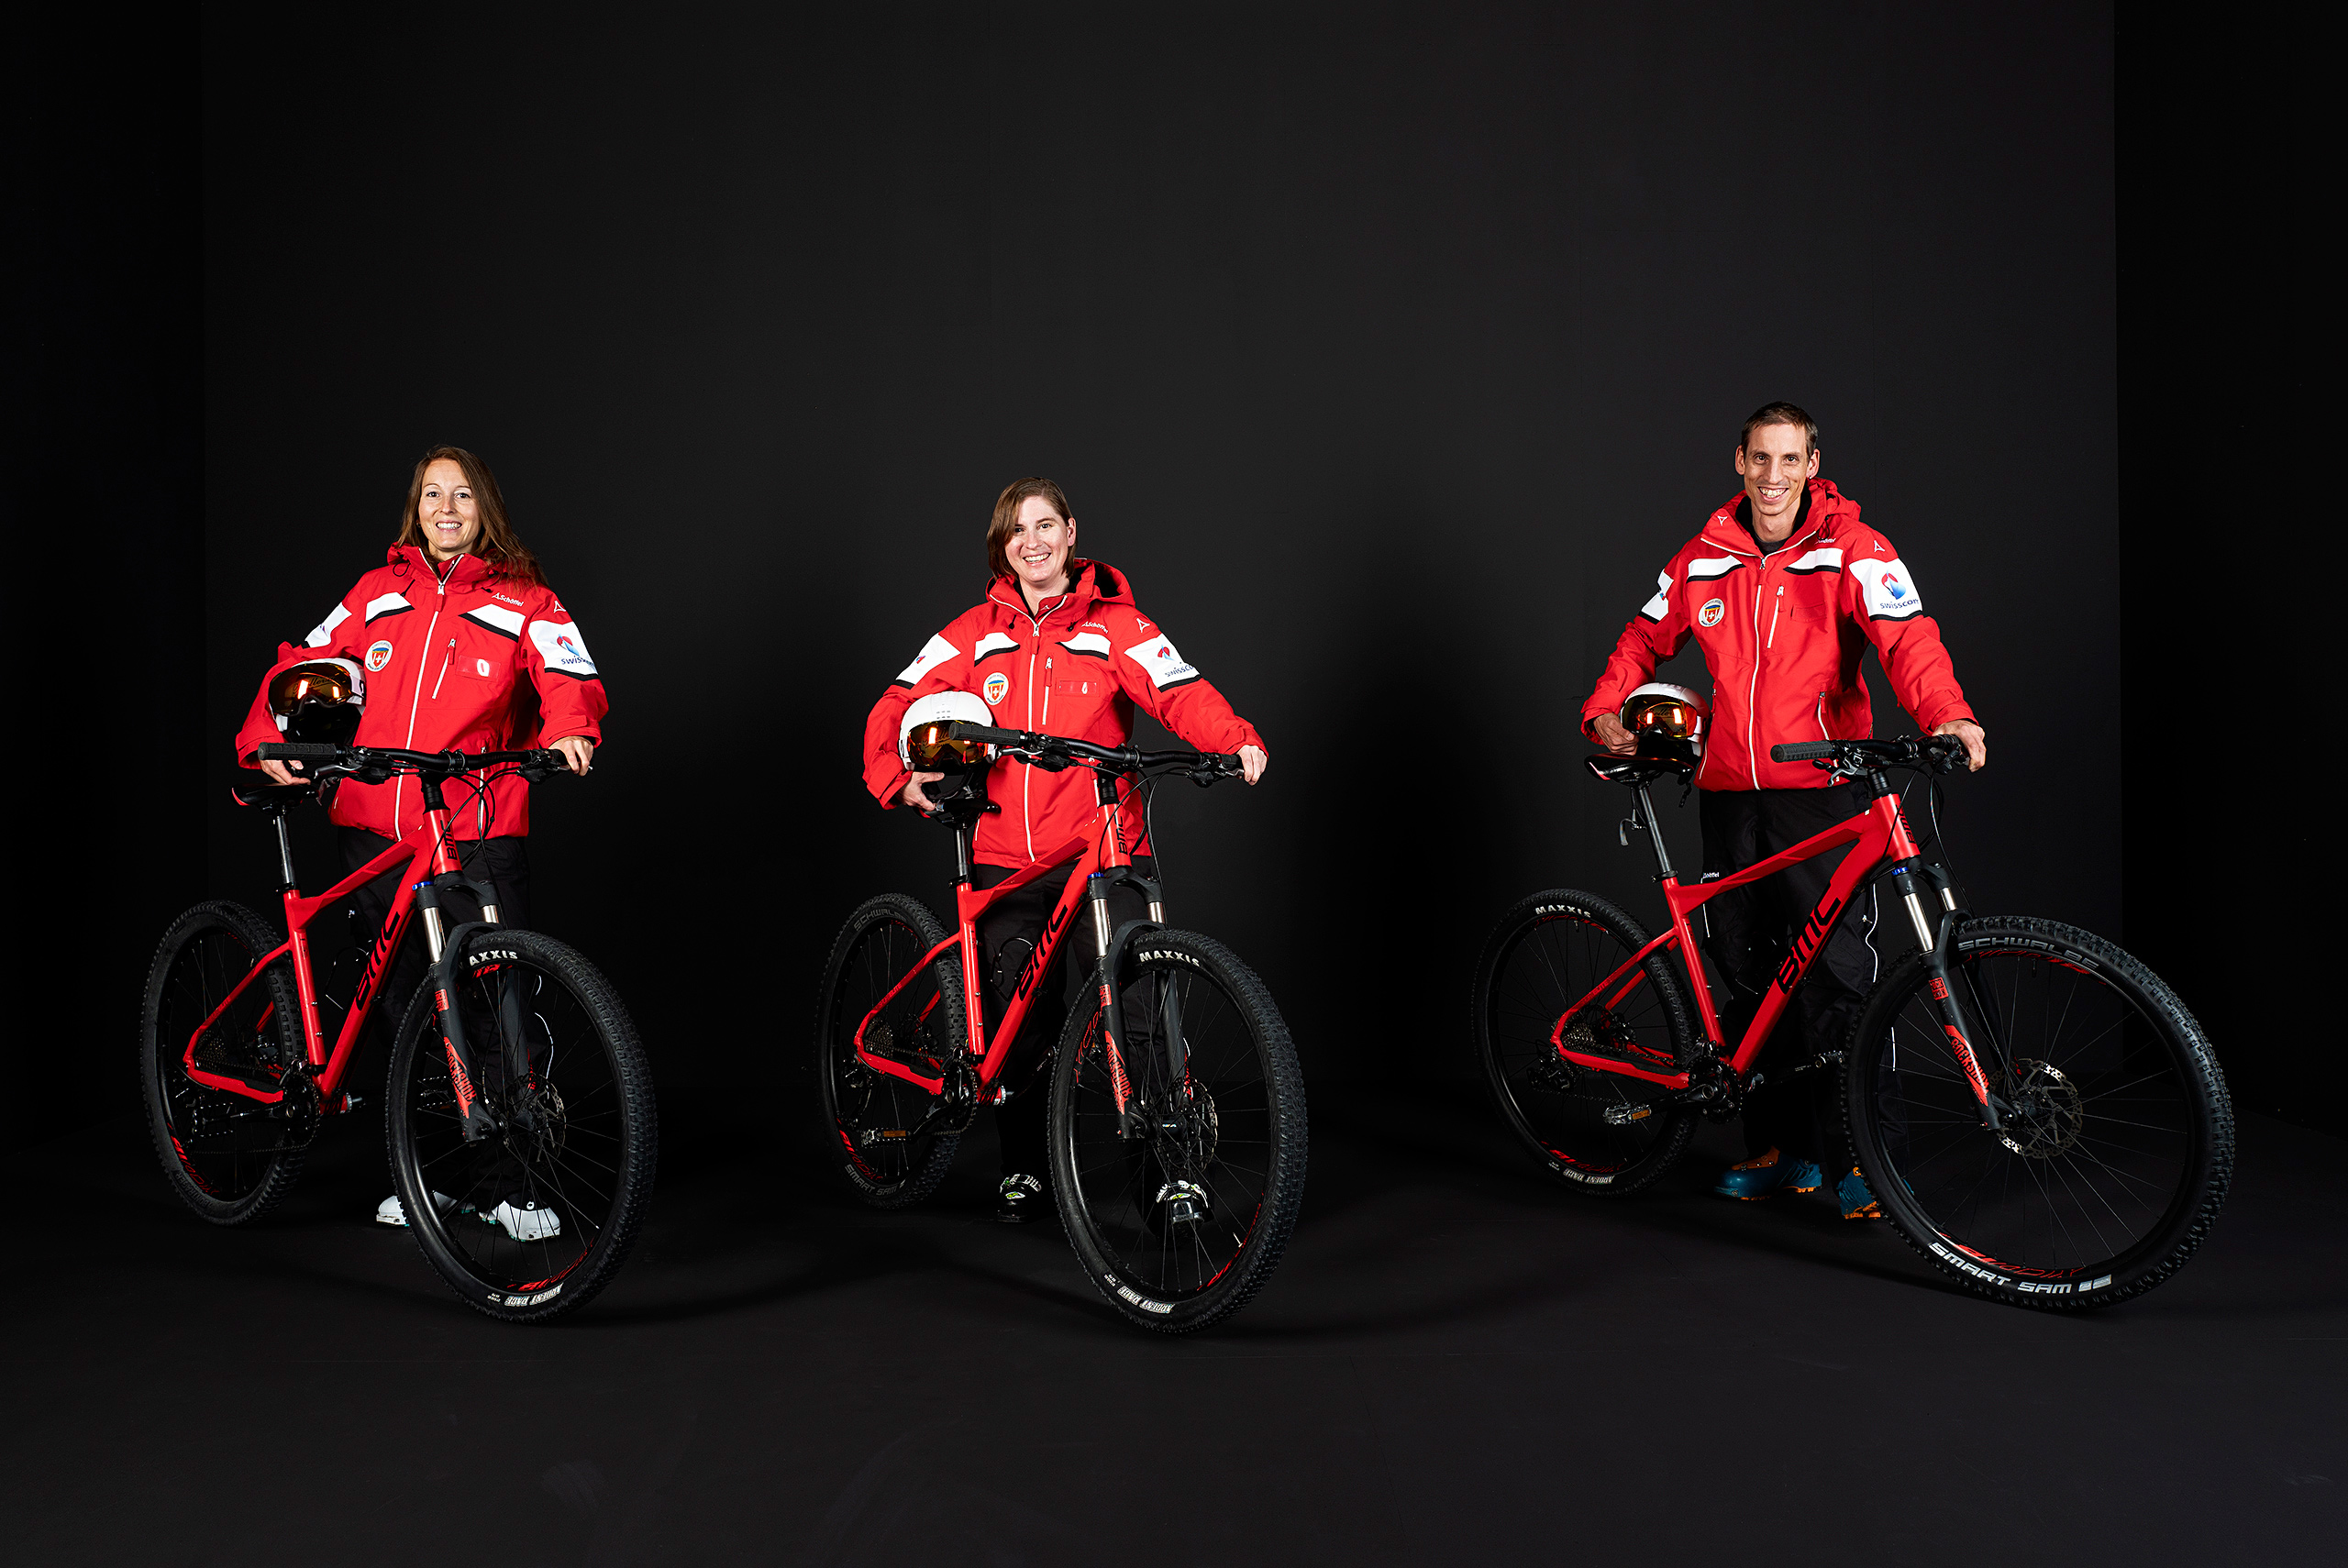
[399, 785]
[1035, 650]
[1753, 686]
[1821, 718]
[446, 659]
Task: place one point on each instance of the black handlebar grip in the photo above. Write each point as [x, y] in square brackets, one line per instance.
[986, 734]
[1804, 751]
[296, 751]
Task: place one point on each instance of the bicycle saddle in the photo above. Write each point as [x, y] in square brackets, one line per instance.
[270, 797]
[1633, 770]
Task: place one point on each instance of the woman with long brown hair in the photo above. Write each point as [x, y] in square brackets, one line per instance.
[456, 642]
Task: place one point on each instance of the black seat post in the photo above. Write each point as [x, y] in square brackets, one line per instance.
[1654, 832]
[285, 882]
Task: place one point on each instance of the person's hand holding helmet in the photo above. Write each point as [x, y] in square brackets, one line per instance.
[1670, 719]
[1613, 735]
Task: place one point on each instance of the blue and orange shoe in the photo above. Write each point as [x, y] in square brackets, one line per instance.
[1757, 1178]
[1857, 1198]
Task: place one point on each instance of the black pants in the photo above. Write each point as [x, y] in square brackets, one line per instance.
[503, 863]
[1007, 936]
[1750, 931]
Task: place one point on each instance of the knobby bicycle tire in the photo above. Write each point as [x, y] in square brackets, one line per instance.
[1180, 1212]
[2118, 1151]
[1604, 1134]
[229, 1158]
[577, 1129]
[873, 1131]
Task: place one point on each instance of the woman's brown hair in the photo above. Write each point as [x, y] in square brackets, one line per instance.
[497, 544]
[1006, 517]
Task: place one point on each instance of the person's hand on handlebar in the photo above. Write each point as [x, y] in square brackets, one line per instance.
[578, 753]
[915, 797]
[1977, 748]
[283, 772]
[1614, 736]
[1252, 763]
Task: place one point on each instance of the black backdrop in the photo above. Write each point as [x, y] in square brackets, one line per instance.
[1389, 350]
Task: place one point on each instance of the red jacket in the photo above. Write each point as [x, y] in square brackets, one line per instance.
[1076, 669]
[1783, 639]
[476, 663]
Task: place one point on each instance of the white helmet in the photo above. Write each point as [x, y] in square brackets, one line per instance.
[922, 742]
[318, 700]
[1668, 719]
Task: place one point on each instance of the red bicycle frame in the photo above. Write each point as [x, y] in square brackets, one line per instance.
[1100, 848]
[431, 841]
[1877, 835]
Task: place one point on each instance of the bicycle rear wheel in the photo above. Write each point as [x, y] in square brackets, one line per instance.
[881, 1136]
[2116, 1154]
[228, 1156]
[1180, 1209]
[1602, 1134]
[532, 1220]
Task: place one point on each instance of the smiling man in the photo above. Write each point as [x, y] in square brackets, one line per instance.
[1784, 590]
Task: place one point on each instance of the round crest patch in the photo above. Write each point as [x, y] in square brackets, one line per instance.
[997, 687]
[1710, 615]
[379, 656]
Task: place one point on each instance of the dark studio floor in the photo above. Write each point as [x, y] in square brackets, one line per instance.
[1455, 1363]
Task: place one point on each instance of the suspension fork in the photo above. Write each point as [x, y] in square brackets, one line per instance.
[1907, 867]
[443, 947]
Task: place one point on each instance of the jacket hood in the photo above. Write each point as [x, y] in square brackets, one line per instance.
[1830, 510]
[1091, 583]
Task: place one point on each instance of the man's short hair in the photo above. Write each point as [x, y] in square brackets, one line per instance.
[1780, 414]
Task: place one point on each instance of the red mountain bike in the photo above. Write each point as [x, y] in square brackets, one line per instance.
[1176, 1115]
[516, 1078]
[2038, 1114]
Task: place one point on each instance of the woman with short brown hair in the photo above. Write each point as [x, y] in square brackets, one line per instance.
[1056, 646]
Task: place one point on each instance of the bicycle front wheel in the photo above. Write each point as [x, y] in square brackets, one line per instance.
[2117, 1143]
[1607, 1135]
[531, 1220]
[1179, 1187]
[229, 1156]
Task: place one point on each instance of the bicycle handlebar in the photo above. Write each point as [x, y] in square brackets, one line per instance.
[535, 765]
[1203, 765]
[1940, 753]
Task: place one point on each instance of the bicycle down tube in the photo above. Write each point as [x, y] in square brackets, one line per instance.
[299, 912]
[1879, 835]
[1090, 855]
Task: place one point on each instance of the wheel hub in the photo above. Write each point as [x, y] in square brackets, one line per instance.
[542, 1133]
[2046, 1111]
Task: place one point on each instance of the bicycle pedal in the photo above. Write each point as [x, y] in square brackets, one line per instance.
[1186, 1202]
[1625, 1115]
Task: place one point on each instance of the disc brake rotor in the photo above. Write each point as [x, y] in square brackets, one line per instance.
[2046, 1110]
